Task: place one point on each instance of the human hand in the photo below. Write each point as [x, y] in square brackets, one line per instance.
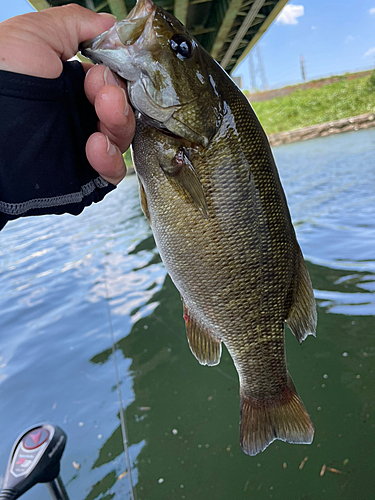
[36, 44]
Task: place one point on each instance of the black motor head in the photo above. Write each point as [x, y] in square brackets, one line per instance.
[35, 458]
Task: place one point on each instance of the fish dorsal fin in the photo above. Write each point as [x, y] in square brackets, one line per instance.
[143, 199]
[302, 317]
[182, 172]
[202, 344]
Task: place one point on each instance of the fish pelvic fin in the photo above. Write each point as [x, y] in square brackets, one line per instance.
[282, 417]
[205, 347]
[302, 317]
[143, 200]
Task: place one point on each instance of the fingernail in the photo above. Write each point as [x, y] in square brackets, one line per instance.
[109, 77]
[127, 106]
[107, 14]
[111, 149]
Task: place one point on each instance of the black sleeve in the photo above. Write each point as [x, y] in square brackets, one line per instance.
[44, 128]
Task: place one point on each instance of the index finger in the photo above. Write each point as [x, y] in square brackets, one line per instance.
[108, 94]
[116, 115]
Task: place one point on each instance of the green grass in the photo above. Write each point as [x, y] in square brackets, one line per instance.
[302, 108]
[128, 158]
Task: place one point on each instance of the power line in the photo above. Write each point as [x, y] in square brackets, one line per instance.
[119, 395]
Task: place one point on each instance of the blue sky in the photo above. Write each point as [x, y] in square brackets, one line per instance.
[333, 36]
[14, 8]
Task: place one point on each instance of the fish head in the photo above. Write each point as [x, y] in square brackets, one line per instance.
[167, 71]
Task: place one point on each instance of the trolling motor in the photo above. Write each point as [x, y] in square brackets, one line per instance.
[35, 458]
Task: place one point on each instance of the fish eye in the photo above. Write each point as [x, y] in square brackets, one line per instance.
[182, 46]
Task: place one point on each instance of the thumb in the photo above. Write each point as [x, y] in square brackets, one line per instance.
[69, 25]
[36, 43]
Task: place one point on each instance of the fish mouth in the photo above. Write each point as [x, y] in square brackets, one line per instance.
[123, 33]
[128, 49]
[141, 9]
[123, 48]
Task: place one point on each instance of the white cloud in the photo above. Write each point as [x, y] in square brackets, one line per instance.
[290, 13]
[349, 39]
[314, 28]
[370, 52]
[372, 11]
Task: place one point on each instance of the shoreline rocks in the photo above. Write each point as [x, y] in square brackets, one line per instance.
[323, 129]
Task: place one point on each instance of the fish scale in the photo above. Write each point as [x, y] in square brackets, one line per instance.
[211, 192]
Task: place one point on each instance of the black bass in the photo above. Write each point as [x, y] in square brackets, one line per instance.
[211, 192]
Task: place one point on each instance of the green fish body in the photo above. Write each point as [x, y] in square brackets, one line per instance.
[211, 192]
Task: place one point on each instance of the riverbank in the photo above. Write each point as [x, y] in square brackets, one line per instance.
[313, 107]
[267, 95]
[359, 122]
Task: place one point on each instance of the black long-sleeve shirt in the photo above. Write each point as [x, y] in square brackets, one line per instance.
[45, 124]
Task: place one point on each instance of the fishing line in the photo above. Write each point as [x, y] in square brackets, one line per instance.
[118, 388]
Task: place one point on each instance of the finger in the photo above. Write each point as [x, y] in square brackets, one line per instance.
[105, 158]
[35, 43]
[96, 77]
[86, 66]
[106, 91]
[116, 118]
[73, 24]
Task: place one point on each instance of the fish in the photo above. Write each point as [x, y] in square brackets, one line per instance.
[210, 189]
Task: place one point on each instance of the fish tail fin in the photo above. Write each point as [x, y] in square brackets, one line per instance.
[282, 417]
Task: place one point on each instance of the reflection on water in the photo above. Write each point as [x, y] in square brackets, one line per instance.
[56, 363]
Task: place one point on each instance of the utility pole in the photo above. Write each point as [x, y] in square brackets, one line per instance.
[257, 70]
[302, 63]
[261, 69]
[252, 72]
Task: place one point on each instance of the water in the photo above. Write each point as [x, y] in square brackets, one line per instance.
[56, 362]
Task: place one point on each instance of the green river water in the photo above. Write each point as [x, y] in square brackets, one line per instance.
[56, 361]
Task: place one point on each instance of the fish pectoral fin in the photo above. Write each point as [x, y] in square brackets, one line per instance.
[143, 200]
[182, 173]
[205, 347]
[282, 416]
[189, 180]
[302, 317]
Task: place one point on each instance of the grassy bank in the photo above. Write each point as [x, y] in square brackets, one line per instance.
[302, 108]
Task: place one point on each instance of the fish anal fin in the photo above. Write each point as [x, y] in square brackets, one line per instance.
[281, 417]
[302, 317]
[143, 200]
[205, 347]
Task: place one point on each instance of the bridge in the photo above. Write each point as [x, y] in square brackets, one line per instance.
[227, 29]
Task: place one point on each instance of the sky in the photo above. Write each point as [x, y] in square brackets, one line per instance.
[332, 36]
[10, 8]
